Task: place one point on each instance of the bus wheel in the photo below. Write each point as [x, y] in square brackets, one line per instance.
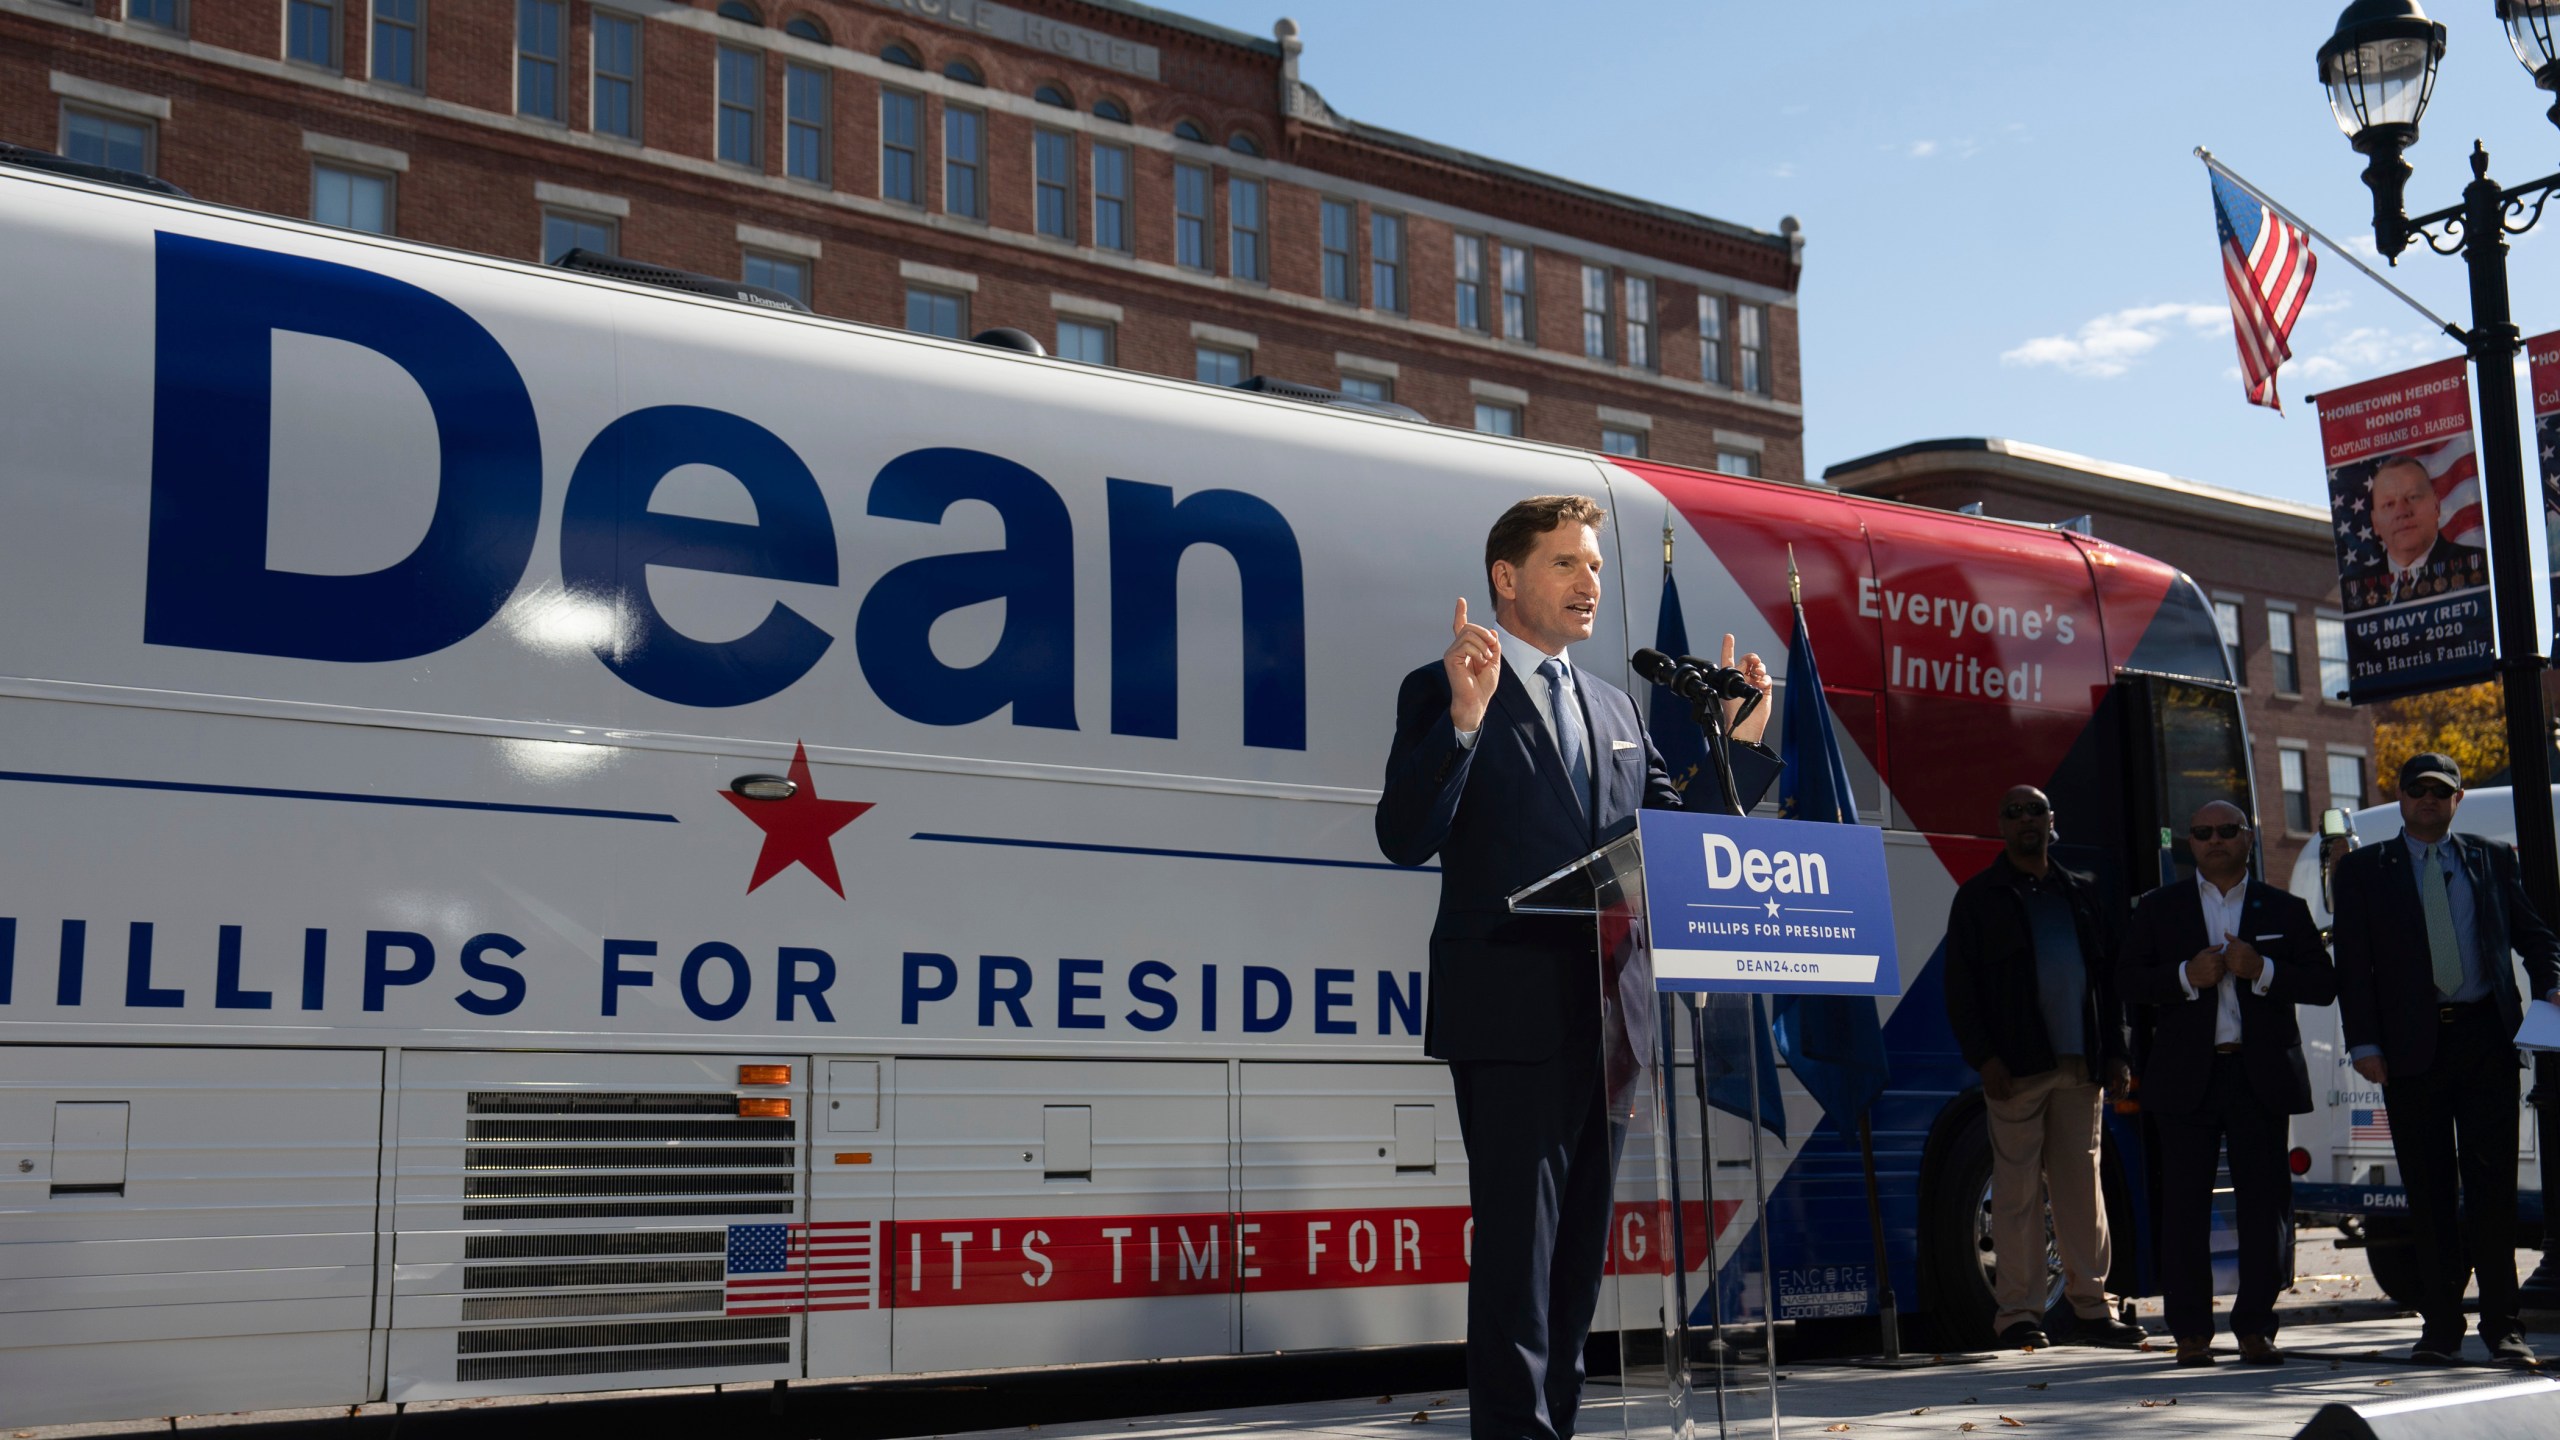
[1958, 1242]
[2391, 1249]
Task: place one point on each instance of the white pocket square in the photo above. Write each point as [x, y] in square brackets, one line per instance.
[1622, 744]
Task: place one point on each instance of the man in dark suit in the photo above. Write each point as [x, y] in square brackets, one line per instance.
[1509, 762]
[2222, 960]
[2425, 929]
[2030, 982]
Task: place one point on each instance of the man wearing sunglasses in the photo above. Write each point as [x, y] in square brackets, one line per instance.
[2425, 931]
[2030, 985]
[2221, 960]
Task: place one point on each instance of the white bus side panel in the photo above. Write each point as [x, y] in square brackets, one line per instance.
[220, 1257]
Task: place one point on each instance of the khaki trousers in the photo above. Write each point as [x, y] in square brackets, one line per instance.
[2044, 1143]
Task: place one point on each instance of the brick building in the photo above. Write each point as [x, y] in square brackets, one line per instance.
[2267, 565]
[1130, 186]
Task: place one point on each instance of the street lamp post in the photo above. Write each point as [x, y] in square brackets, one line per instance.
[2380, 69]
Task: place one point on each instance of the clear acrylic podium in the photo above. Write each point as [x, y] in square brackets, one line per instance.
[1686, 1297]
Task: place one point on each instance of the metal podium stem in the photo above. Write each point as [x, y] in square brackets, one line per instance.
[1760, 1204]
[1707, 1175]
[1666, 1105]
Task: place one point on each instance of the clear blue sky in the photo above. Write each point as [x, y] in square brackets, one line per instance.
[2006, 233]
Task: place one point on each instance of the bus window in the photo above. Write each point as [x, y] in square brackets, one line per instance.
[2199, 751]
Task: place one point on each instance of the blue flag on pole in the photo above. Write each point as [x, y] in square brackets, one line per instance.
[1728, 1023]
[1832, 1042]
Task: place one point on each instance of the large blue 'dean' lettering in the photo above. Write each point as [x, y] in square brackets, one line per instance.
[1770, 906]
[209, 584]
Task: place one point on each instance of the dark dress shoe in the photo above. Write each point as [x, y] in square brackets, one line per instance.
[2025, 1335]
[2436, 1350]
[2258, 1350]
[2197, 1350]
[2508, 1348]
[2106, 1330]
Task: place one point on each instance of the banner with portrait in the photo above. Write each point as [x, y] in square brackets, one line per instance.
[2544, 353]
[2413, 559]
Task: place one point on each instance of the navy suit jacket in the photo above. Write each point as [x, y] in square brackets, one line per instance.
[1500, 815]
[2386, 982]
[2168, 929]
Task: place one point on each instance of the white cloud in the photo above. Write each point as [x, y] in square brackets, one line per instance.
[2369, 350]
[1783, 170]
[1923, 149]
[2108, 345]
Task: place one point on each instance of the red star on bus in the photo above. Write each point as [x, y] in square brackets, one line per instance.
[797, 831]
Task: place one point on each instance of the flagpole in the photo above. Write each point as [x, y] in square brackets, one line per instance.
[2261, 196]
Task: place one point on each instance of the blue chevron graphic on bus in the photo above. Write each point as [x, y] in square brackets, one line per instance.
[1770, 906]
[210, 586]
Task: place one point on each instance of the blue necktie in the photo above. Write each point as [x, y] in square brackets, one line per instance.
[1568, 721]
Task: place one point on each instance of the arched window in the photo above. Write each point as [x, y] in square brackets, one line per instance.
[901, 55]
[1190, 130]
[1052, 95]
[740, 11]
[1243, 144]
[964, 72]
[1111, 110]
[804, 28]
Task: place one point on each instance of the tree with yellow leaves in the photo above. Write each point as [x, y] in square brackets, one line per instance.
[2468, 724]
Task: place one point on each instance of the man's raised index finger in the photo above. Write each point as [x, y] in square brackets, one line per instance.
[1460, 627]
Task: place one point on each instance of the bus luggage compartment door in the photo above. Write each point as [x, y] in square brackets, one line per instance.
[1058, 1211]
[590, 1222]
[185, 1230]
[1355, 1184]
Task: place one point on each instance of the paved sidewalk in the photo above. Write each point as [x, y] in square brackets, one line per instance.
[2062, 1391]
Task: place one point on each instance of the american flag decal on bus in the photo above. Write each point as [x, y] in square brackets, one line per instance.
[784, 1269]
[2369, 1127]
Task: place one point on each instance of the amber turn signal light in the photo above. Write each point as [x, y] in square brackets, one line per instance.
[752, 1107]
[764, 1074]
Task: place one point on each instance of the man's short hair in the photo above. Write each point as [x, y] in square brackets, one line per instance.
[2412, 461]
[1516, 533]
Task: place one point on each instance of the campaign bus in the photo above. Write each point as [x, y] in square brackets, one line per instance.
[565, 835]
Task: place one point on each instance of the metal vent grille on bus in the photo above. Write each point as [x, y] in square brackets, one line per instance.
[541, 1303]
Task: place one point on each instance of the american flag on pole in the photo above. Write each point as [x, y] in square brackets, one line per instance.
[784, 1269]
[2267, 265]
[2369, 1127]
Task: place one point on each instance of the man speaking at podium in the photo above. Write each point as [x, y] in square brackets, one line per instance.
[1511, 761]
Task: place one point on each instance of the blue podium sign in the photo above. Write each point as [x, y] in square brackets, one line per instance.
[1773, 907]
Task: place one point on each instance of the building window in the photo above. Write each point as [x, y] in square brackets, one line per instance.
[98, 137]
[1470, 268]
[2291, 762]
[311, 32]
[2329, 632]
[963, 131]
[1711, 339]
[1595, 311]
[1495, 419]
[1515, 293]
[964, 72]
[351, 199]
[804, 28]
[902, 57]
[165, 14]
[804, 118]
[1052, 95]
[1215, 366]
[1614, 441]
[1738, 462]
[1369, 387]
[1244, 229]
[1386, 261]
[937, 312]
[1333, 240]
[742, 106]
[617, 77]
[1751, 345]
[1244, 144]
[899, 170]
[1111, 197]
[1053, 174]
[2346, 781]
[539, 24]
[777, 272]
[740, 11]
[1190, 130]
[1191, 216]
[2226, 623]
[2280, 650]
[1637, 297]
[395, 40]
[1085, 340]
[567, 230]
[1111, 110]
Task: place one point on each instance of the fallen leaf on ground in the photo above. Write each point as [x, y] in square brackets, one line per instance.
[2156, 1404]
[1420, 1417]
[2012, 1420]
[2039, 1384]
[1923, 1410]
[1968, 1400]
[1386, 1399]
[2144, 1345]
[1966, 1425]
[2381, 1382]
[1836, 1429]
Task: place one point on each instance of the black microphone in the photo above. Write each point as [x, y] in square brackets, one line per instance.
[1684, 681]
[1721, 680]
